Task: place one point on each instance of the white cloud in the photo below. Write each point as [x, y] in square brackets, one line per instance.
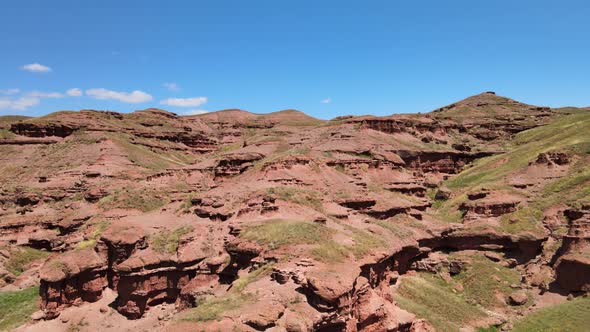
[125, 97]
[25, 102]
[185, 102]
[171, 86]
[195, 112]
[74, 92]
[9, 91]
[326, 101]
[36, 68]
[5, 103]
[19, 104]
[40, 94]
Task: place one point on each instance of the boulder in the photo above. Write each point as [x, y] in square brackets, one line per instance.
[518, 298]
[443, 193]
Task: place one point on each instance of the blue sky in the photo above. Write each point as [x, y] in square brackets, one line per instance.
[326, 58]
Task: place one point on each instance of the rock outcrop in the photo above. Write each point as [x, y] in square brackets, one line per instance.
[70, 279]
[284, 222]
[573, 265]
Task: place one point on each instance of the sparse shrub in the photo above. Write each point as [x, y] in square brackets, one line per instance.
[329, 251]
[20, 258]
[242, 282]
[167, 242]
[340, 168]
[309, 198]
[212, 308]
[90, 242]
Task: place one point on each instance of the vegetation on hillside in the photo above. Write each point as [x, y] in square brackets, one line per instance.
[143, 200]
[167, 241]
[462, 300]
[428, 297]
[569, 316]
[97, 229]
[21, 258]
[568, 134]
[277, 233]
[304, 197]
[16, 307]
[483, 280]
[212, 308]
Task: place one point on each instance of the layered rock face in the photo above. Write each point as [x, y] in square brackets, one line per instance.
[75, 277]
[573, 265]
[33, 130]
[284, 222]
[142, 275]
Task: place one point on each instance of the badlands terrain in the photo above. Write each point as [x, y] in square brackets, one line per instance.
[473, 217]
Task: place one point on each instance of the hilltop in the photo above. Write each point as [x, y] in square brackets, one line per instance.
[284, 222]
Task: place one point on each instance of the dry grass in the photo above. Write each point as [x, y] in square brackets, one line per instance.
[21, 258]
[278, 232]
[167, 241]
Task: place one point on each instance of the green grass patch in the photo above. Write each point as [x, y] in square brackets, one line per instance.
[241, 283]
[568, 134]
[364, 242]
[329, 251]
[562, 134]
[569, 316]
[16, 307]
[398, 230]
[276, 233]
[526, 219]
[430, 298]
[21, 258]
[304, 197]
[480, 284]
[97, 230]
[449, 210]
[213, 308]
[149, 158]
[143, 200]
[167, 242]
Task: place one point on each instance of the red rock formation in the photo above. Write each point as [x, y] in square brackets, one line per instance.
[236, 163]
[450, 162]
[572, 268]
[556, 158]
[42, 129]
[70, 279]
[482, 205]
[382, 165]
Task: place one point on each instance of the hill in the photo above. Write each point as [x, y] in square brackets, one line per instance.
[466, 217]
